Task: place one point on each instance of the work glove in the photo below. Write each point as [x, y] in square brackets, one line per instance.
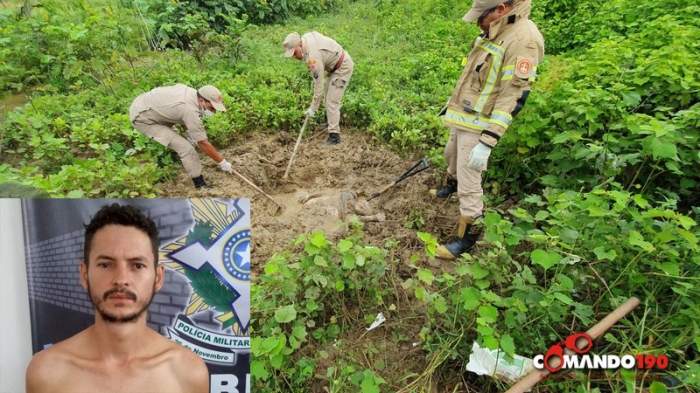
[225, 166]
[479, 156]
[310, 112]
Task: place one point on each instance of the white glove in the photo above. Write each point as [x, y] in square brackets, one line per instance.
[479, 156]
[310, 112]
[225, 166]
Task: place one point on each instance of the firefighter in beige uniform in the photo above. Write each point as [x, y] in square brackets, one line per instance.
[321, 55]
[154, 113]
[492, 89]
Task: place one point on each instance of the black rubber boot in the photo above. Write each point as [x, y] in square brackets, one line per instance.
[200, 183]
[333, 139]
[448, 189]
[467, 235]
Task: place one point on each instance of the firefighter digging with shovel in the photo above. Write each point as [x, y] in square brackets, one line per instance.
[323, 55]
[156, 112]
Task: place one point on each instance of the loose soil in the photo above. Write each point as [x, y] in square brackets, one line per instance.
[326, 187]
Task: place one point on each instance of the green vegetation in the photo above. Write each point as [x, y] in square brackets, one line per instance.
[604, 156]
[311, 285]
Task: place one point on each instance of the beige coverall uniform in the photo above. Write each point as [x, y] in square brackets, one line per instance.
[492, 89]
[323, 54]
[155, 113]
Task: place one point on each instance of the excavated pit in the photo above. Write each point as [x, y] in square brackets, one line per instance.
[325, 188]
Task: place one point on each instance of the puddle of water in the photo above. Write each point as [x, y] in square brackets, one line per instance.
[9, 103]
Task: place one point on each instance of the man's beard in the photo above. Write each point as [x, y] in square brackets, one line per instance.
[98, 302]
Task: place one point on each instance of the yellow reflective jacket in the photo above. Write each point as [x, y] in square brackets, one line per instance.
[497, 77]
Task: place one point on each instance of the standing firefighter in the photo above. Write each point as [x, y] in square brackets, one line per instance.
[321, 55]
[155, 113]
[492, 89]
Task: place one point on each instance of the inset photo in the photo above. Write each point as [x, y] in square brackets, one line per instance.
[138, 294]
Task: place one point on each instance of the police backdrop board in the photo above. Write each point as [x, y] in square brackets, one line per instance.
[204, 303]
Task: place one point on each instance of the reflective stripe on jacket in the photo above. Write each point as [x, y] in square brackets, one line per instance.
[498, 76]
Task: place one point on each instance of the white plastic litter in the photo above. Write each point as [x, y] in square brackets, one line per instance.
[377, 321]
[483, 361]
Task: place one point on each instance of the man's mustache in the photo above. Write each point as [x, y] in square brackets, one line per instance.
[124, 291]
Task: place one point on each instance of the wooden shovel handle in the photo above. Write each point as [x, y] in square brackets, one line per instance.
[291, 159]
[388, 186]
[596, 331]
[256, 188]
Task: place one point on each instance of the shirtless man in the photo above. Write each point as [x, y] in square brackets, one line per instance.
[119, 353]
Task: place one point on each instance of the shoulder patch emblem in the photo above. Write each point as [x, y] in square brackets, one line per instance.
[312, 65]
[524, 67]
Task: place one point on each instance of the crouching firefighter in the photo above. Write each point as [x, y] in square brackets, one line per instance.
[492, 89]
[155, 113]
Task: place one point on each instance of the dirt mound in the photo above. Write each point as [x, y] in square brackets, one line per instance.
[325, 187]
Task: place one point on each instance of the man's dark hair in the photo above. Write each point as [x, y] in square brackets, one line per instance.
[127, 216]
[509, 3]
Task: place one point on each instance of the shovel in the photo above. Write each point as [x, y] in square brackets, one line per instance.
[256, 188]
[414, 170]
[296, 147]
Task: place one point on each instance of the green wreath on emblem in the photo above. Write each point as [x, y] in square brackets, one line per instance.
[207, 285]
